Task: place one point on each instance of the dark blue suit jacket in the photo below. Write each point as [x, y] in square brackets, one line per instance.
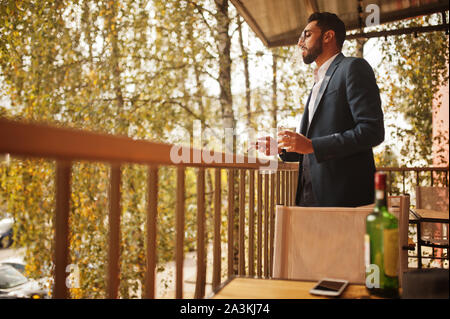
[347, 123]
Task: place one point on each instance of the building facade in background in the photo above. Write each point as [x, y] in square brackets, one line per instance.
[441, 127]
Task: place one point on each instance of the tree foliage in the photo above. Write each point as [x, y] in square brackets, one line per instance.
[416, 66]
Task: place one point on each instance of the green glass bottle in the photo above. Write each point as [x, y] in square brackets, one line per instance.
[381, 245]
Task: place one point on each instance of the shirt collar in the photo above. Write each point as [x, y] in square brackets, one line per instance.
[319, 73]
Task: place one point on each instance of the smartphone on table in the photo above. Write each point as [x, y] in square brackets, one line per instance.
[329, 287]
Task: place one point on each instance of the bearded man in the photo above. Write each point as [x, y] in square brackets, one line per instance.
[342, 122]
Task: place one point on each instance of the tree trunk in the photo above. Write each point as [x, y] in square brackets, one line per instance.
[121, 125]
[223, 46]
[274, 90]
[360, 47]
[223, 41]
[201, 108]
[246, 74]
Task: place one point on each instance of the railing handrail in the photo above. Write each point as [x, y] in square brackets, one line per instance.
[437, 170]
[414, 169]
[69, 145]
[42, 140]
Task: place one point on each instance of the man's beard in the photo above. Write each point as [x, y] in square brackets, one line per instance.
[314, 52]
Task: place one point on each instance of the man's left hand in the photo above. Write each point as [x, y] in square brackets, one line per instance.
[294, 142]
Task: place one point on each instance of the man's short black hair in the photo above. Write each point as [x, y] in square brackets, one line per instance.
[329, 21]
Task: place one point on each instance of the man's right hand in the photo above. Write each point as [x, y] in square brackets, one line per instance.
[266, 145]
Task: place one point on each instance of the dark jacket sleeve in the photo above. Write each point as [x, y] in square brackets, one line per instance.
[364, 101]
[289, 156]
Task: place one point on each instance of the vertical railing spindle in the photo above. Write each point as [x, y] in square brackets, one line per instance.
[259, 223]
[292, 187]
[287, 188]
[294, 192]
[417, 178]
[251, 224]
[278, 188]
[432, 179]
[61, 255]
[217, 269]
[272, 221]
[179, 241]
[389, 183]
[152, 215]
[295, 185]
[230, 222]
[114, 233]
[403, 177]
[201, 256]
[266, 225]
[241, 269]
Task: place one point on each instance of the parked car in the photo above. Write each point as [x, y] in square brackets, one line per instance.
[6, 232]
[15, 262]
[15, 285]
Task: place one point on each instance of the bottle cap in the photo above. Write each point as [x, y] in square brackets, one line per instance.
[380, 180]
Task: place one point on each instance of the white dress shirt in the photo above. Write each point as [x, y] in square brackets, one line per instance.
[319, 75]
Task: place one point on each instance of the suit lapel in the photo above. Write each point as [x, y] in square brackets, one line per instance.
[304, 122]
[324, 85]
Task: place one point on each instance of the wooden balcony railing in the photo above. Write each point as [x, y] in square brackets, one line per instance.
[66, 146]
[402, 180]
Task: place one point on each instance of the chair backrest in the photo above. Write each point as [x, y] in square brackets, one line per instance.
[399, 206]
[312, 243]
[432, 197]
[435, 199]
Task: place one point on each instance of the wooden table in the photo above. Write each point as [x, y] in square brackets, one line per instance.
[432, 214]
[253, 288]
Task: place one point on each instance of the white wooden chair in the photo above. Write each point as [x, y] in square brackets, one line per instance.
[316, 242]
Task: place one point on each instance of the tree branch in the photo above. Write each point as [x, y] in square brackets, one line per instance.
[201, 10]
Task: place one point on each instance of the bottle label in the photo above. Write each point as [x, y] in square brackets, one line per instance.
[379, 194]
[390, 243]
[367, 250]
